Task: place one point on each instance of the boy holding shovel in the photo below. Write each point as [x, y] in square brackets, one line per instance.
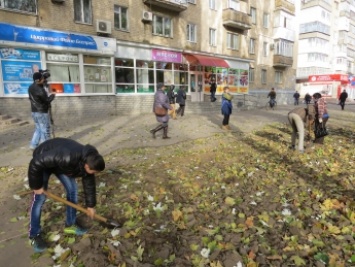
[67, 159]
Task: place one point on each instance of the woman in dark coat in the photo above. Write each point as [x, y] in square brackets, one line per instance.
[226, 107]
[161, 100]
[180, 99]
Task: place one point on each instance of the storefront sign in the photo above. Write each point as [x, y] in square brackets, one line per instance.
[328, 78]
[166, 56]
[16, 88]
[62, 57]
[17, 53]
[37, 36]
[19, 70]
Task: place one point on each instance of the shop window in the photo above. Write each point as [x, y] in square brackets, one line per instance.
[17, 67]
[83, 11]
[20, 5]
[97, 74]
[65, 74]
[145, 76]
[180, 75]
[162, 26]
[124, 74]
[121, 18]
[191, 32]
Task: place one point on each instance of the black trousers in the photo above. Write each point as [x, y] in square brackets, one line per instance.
[226, 120]
[181, 110]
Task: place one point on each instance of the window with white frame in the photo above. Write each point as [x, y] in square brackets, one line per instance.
[121, 17]
[162, 26]
[234, 4]
[232, 41]
[213, 4]
[266, 20]
[191, 32]
[213, 40]
[278, 76]
[283, 48]
[252, 46]
[317, 57]
[251, 75]
[83, 11]
[20, 5]
[253, 15]
[265, 49]
[263, 76]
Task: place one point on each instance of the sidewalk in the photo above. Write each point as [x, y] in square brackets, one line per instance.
[133, 131]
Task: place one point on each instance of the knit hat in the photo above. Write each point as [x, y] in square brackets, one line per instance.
[37, 76]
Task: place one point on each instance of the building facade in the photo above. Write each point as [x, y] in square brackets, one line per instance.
[326, 51]
[114, 50]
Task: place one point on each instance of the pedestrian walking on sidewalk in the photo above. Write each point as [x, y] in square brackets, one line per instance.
[342, 98]
[296, 96]
[226, 107]
[160, 108]
[213, 90]
[322, 115]
[181, 99]
[67, 159]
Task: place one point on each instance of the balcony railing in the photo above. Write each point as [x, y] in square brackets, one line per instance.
[310, 3]
[174, 5]
[236, 19]
[282, 61]
[285, 4]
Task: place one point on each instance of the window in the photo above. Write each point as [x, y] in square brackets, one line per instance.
[213, 4]
[191, 1]
[162, 26]
[266, 20]
[251, 75]
[284, 48]
[252, 46]
[232, 41]
[234, 4]
[145, 76]
[20, 5]
[213, 37]
[278, 76]
[83, 11]
[97, 74]
[121, 18]
[263, 76]
[124, 74]
[265, 49]
[191, 33]
[315, 26]
[253, 15]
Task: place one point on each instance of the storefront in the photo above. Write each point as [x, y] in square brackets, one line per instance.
[329, 85]
[138, 68]
[78, 64]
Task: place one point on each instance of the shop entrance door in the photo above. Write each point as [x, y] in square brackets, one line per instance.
[196, 86]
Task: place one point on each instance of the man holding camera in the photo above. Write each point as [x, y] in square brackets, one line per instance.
[40, 104]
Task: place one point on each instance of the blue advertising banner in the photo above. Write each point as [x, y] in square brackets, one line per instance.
[16, 88]
[19, 71]
[14, 33]
[17, 53]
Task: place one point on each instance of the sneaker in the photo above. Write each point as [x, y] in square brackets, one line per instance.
[75, 230]
[38, 243]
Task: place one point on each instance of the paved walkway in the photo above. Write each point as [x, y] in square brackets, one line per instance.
[133, 131]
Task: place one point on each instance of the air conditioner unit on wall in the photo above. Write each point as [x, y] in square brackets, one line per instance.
[147, 16]
[103, 26]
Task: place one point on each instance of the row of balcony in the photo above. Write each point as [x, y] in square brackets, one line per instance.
[282, 61]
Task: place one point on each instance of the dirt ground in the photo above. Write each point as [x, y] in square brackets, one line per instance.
[111, 137]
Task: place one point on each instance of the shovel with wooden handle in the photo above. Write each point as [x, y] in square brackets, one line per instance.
[82, 209]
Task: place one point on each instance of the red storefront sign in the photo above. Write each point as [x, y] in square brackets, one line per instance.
[343, 78]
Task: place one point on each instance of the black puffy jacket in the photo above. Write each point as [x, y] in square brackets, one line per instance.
[40, 101]
[63, 156]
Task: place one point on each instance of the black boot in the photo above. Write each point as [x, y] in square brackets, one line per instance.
[158, 128]
[165, 135]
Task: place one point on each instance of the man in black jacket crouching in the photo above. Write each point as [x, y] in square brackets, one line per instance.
[67, 159]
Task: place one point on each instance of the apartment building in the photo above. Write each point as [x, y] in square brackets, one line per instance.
[325, 61]
[120, 49]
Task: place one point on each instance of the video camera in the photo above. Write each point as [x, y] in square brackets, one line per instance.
[45, 73]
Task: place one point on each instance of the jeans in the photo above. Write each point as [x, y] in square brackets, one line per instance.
[38, 200]
[42, 128]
